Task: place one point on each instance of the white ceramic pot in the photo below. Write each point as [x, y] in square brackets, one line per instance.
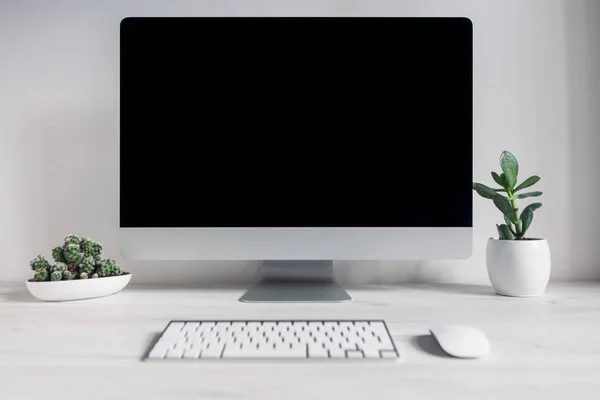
[518, 268]
[78, 289]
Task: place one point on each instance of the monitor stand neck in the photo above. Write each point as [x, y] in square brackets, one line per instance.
[296, 282]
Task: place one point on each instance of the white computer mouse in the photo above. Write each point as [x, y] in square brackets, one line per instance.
[461, 341]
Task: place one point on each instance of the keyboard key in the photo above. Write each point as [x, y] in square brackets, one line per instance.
[253, 326]
[337, 352]
[175, 327]
[214, 350]
[388, 354]
[222, 326]
[174, 330]
[158, 352]
[175, 352]
[354, 354]
[205, 327]
[378, 328]
[240, 350]
[346, 326]
[317, 351]
[370, 352]
[361, 325]
[193, 352]
[347, 345]
[284, 326]
[314, 326]
[190, 327]
[292, 352]
[332, 328]
[299, 325]
[269, 326]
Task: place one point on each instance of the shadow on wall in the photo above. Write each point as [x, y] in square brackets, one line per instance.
[583, 102]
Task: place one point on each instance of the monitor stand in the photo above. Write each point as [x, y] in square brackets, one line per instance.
[296, 282]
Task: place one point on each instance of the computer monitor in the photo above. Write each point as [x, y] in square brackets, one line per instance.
[296, 141]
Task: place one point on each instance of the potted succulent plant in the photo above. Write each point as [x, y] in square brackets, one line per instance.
[78, 271]
[517, 265]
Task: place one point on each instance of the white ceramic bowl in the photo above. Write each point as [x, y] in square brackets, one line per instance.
[78, 289]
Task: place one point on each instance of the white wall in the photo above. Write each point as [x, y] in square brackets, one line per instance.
[536, 91]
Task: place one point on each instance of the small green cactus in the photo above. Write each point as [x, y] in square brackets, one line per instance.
[72, 239]
[39, 262]
[90, 247]
[72, 253]
[59, 267]
[505, 197]
[41, 275]
[117, 270]
[57, 254]
[79, 257]
[87, 265]
[109, 267]
[105, 268]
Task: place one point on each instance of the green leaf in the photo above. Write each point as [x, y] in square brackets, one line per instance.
[533, 206]
[510, 167]
[500, 233]
[484, 191]
[509, 224]
[499, 179]
[528, 194]
[527, 216]
[532, 180]
[504, 206]
[504, 232]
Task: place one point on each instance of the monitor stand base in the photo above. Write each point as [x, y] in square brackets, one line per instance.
[296, 282]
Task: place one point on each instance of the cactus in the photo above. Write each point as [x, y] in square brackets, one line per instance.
[72, 239]
[57, 254]
[90, 247]
[505, 197]
[72, 253]
[39, 262]
[41, 275]
[117, 270]
[60, 267]
[87, 265]
[108, 267]
[105, 268]
[79, 257]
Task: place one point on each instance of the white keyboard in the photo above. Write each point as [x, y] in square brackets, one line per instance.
[294, 339]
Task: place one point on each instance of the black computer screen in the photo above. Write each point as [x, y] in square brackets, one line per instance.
[295, 122]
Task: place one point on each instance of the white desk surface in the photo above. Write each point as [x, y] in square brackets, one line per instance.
[541, 348]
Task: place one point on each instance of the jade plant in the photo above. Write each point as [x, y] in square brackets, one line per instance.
[505, 198]
[77, 258]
